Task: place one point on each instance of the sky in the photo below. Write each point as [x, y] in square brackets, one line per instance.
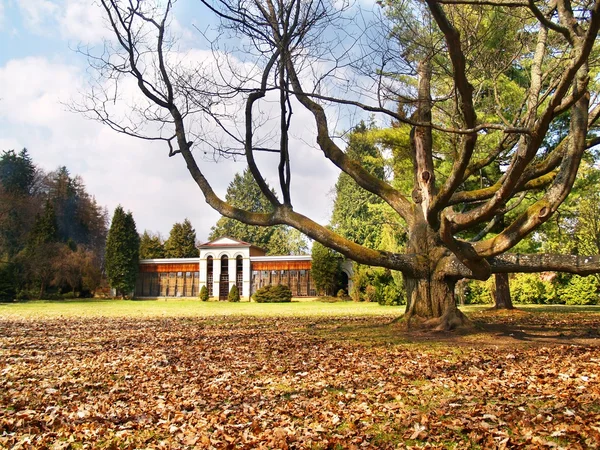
[41, 74]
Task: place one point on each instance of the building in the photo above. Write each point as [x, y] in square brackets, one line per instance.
[221, 264]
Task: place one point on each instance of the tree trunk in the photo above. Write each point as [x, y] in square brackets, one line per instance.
[431, 304]
[501, 292]
[461, 286]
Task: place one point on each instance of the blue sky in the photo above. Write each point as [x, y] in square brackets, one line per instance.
[40, 74]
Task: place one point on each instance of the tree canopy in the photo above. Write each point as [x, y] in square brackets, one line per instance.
[181, 242]
[500, 99]
[151, 246]
[49, 225]
[243, 192]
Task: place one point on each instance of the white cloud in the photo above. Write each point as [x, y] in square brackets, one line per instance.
[137, 174]
[76, 20]
[38, 15]
[83, 22]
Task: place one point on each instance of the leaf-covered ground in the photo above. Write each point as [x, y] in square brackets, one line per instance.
[517, 380]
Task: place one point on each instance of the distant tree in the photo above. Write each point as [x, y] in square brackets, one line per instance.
[151, 246]
[77, 270]
[17, 172]
[244, 192]
[45, 229]
[79, 217]
[18, 205]
[287, 241]
[40, 265]
[122, 252]
[8, 281]
[181, 242]
[326, 269]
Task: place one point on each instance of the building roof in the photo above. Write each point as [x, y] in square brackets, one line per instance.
[281, 258]
[169, 260]
[226, 241]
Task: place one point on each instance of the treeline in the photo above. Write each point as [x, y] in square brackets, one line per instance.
[52, 232]
[180, 244]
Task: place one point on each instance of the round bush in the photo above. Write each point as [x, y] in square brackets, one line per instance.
[203, 294]
[273, 294]
[234, 294]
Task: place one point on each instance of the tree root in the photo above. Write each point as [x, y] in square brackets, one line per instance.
[451, 320]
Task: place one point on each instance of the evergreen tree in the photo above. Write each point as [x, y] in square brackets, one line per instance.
[18, 206]
[181, 242]
[17, 172]
[45, 229]
[326, 269]
[364, 218]
[243, 192]
[355, 215]
[151, 246]
[122, 252]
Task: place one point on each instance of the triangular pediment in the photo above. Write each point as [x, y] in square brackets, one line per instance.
[225, 241]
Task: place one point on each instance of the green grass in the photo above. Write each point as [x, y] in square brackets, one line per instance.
[195, 308]
[188, 308]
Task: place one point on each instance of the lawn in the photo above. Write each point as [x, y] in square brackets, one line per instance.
[188, 308]
[307, 375]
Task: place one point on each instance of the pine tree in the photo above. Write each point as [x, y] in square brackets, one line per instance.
[122, 252]
[364, 218]
[243, 192]
[326, 269]
[151, 246]
[45, 228]
[181, 242]
[356, 215]
[17, 172]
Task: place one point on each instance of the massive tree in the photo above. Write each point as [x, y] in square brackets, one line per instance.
[480, 84]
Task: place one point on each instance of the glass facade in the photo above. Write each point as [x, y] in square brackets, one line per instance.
[167, 284]
[299, 281]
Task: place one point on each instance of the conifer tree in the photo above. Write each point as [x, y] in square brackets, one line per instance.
[122, 252]
[151, 246]
[244, 192]
[45, 228]
[181, 242]
[326, 269]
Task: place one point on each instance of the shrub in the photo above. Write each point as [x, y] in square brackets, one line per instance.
[527, 288]
[370, 293]
[203, 294]
[581, 291]
[234, 294]
[478, 292]
[341, 293]
[392, 296]
[273, 294]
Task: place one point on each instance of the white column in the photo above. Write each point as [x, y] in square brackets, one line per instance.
[231, 268]
[202, 277]
[216, 277]
[247, 277]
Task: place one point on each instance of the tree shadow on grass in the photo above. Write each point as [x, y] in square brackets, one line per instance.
[488, 328]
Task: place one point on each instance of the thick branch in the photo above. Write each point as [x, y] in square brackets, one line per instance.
[575, 264]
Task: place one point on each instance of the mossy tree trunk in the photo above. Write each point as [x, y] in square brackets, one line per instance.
[501, 292]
